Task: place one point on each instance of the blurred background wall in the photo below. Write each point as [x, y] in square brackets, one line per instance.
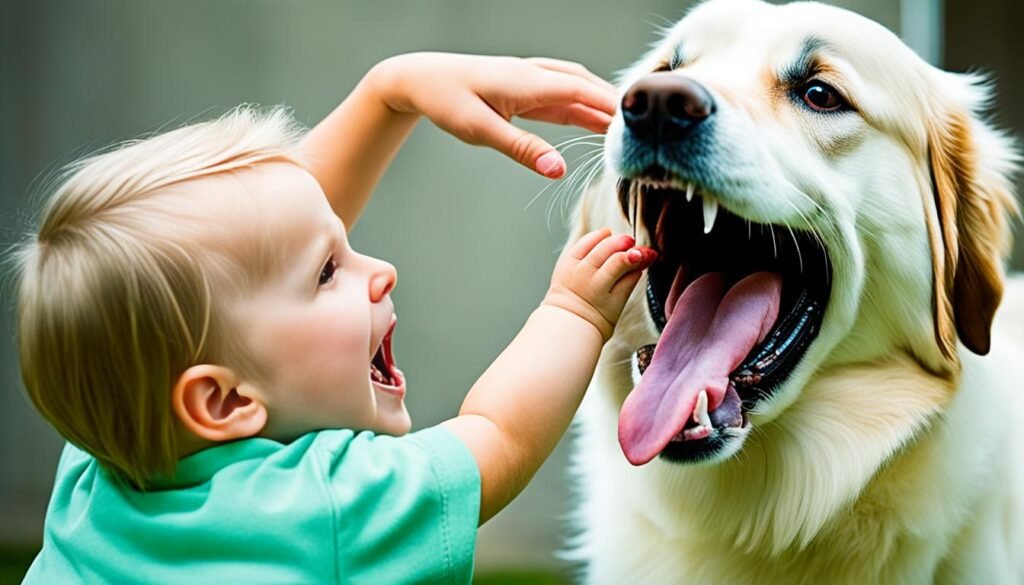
[472, 256]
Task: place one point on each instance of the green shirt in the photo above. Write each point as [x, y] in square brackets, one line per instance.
[330, 507]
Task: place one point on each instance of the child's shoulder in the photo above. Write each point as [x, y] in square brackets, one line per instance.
[366, 446]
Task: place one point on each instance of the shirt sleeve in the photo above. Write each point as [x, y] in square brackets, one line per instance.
[406, 509]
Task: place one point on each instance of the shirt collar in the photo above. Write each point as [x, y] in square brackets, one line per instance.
[200, 467]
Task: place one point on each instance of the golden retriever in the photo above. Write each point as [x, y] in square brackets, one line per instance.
[808, 387]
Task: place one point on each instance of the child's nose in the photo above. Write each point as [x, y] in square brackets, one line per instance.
[382, 279]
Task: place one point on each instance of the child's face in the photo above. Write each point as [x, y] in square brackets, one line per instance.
[321, 318]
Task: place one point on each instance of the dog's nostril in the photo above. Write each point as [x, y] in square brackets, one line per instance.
[635, 103]
[685, 106]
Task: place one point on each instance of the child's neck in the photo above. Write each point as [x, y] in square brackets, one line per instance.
[189, 443]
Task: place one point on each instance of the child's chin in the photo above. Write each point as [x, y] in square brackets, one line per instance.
[395, 422]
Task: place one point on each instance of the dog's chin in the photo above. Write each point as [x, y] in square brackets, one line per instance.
[720, 445]
[693, 243]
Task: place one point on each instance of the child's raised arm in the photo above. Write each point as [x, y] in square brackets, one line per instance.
[472, 97]
[522, 405]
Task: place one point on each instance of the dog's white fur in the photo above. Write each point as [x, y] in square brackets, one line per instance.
[892, 454]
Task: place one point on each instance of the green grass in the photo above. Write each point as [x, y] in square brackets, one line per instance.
[520, 578]
[14, 564]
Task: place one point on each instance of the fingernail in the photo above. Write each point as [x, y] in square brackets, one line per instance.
[550, 164]
[635, 255]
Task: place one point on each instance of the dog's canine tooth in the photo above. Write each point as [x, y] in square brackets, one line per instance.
[689, 192]
[710, 212]
[700, 411]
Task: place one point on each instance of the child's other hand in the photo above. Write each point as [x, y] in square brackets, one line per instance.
[475, 97]
[594, 277]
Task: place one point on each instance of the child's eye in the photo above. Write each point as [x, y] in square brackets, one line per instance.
[327, 272]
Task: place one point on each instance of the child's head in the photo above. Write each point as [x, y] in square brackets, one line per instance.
[195, 287]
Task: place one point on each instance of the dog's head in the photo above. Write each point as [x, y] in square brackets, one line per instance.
[820, 196]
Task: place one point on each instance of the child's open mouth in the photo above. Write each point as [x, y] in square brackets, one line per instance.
[383, 372]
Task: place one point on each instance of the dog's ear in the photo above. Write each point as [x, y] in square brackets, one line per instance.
[971, 166]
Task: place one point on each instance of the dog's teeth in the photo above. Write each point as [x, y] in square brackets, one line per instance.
[700, 411]
[710, 212]
[689, 192]
[697, 433]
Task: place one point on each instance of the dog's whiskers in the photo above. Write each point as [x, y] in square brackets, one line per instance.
[811, 230]
[576, 181]
[832, 232]
[661, 29]
[561, 184]
[573, 182]
[578, 139]
[595, 169]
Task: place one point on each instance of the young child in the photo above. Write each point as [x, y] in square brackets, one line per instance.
[194, 322]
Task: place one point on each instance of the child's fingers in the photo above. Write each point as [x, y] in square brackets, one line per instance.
[573, 69]
[626, 262]
[572, 115]
[626, 284]
[586, 243]
[622, 264]
[551, 88]
[601, 253]
[487, 128]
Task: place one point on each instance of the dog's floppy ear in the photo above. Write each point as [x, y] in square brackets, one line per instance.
[970, 166]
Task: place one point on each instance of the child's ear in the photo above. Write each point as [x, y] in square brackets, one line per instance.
[208, 402]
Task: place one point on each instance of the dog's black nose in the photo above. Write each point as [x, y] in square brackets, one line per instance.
[663, 107]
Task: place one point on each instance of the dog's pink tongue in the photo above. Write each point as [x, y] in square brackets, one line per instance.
[709, 332]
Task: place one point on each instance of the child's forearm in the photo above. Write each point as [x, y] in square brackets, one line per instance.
[529, 396]
[349, 150]
[516, 412]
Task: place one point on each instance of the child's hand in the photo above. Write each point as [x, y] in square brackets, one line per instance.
[594, 277]
[474, 97]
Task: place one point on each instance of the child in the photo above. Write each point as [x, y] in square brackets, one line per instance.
[194, 322]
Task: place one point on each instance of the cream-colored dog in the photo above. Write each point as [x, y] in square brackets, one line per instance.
[828, 394]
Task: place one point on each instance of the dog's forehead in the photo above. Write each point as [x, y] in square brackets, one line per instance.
[739, 44]
[751, 33]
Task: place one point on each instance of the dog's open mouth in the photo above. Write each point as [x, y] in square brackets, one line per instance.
[737, 303]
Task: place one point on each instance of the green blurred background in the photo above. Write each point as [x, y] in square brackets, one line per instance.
[473, 258]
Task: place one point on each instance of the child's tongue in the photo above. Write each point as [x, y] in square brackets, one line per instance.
[710, 330]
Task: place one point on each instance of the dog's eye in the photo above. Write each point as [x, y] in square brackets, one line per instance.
[822, 97]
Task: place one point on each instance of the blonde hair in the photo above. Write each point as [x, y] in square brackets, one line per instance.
[116, 295]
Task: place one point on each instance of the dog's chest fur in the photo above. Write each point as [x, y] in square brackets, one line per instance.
[817, 498]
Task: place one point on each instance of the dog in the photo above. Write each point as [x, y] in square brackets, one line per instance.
[813, 384]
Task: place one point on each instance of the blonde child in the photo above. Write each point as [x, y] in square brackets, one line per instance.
[194, 322]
